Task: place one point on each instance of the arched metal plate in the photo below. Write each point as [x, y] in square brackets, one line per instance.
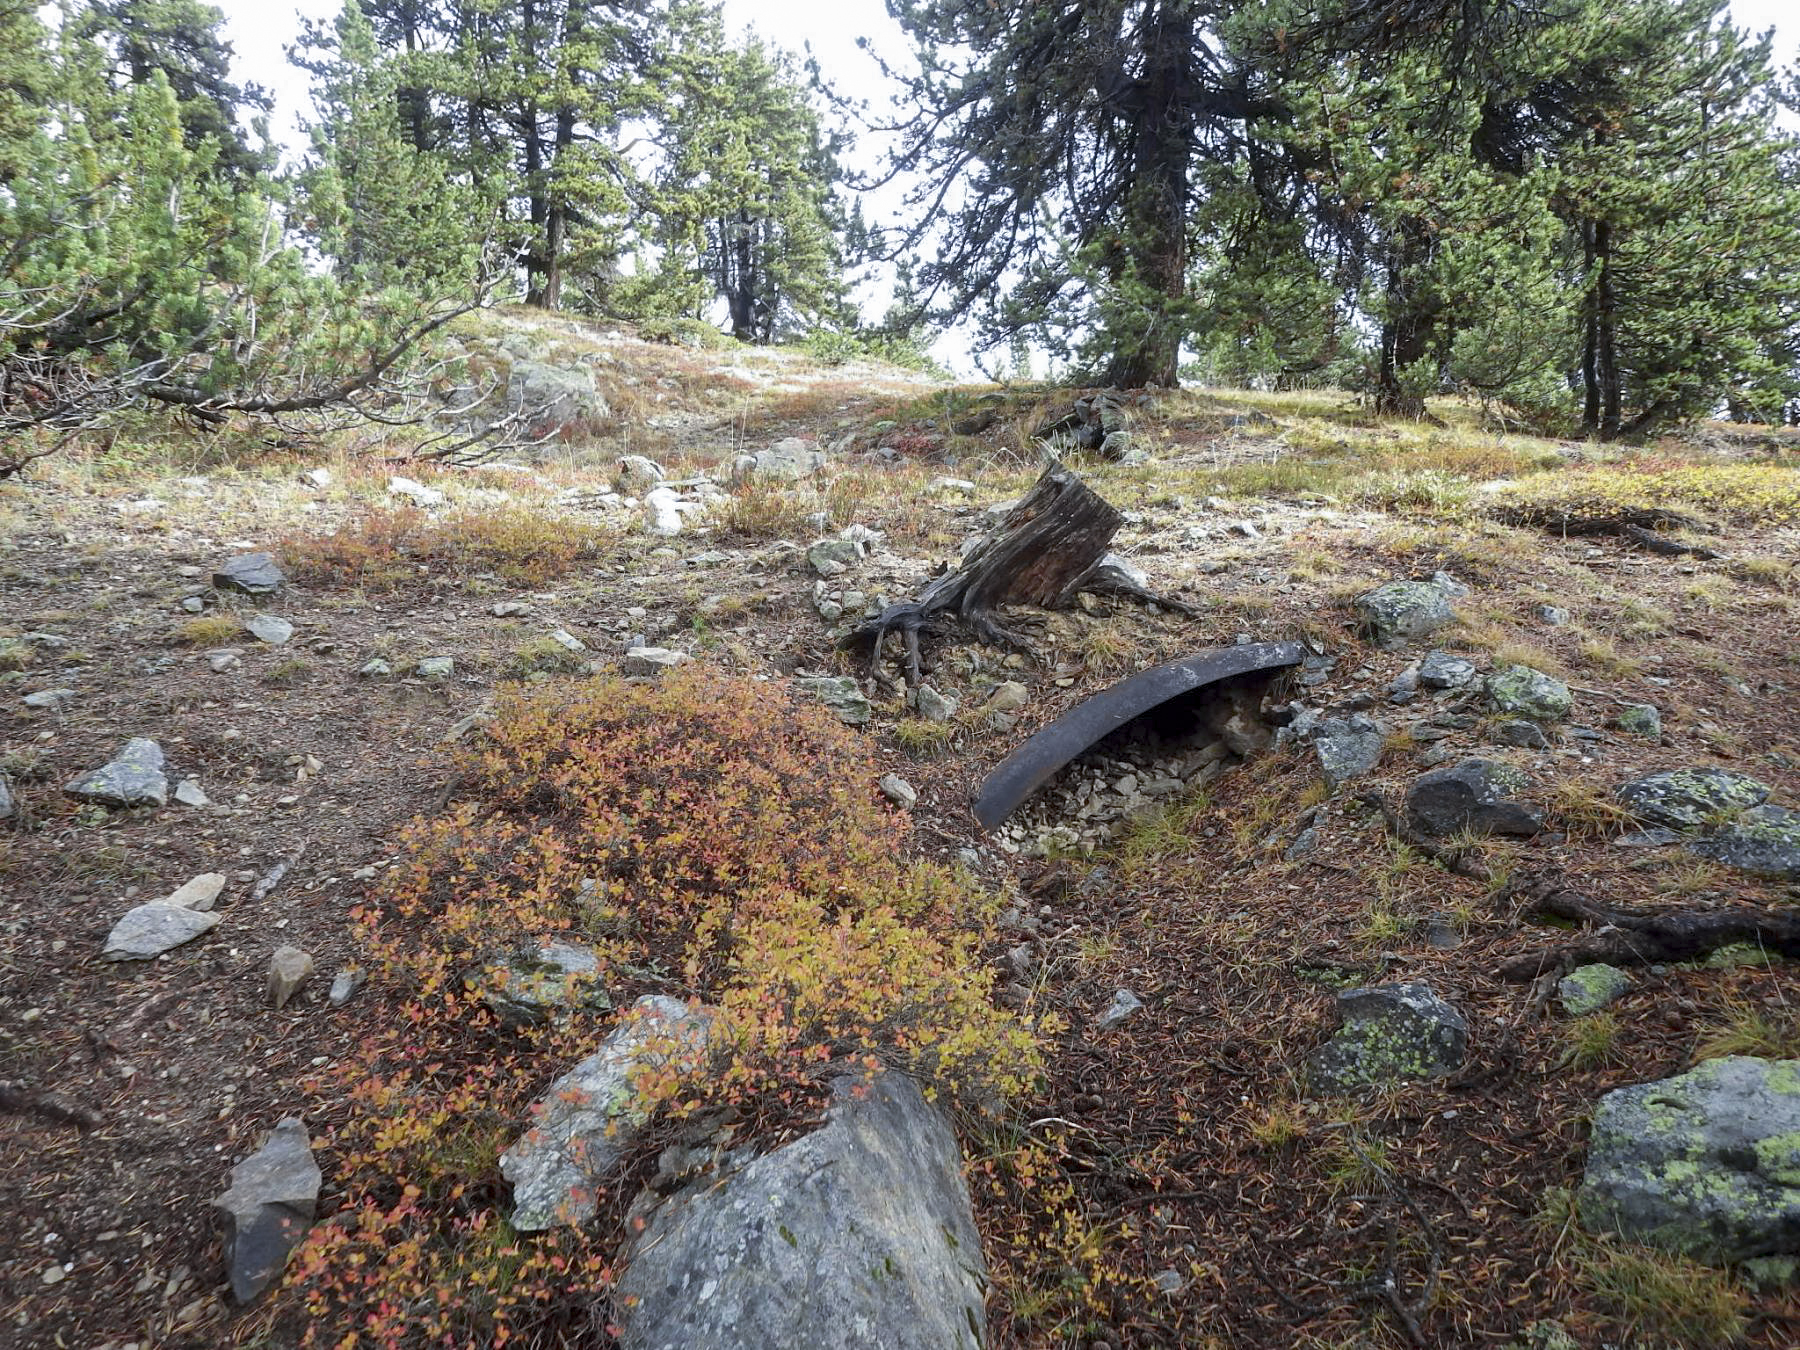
[1034, 763]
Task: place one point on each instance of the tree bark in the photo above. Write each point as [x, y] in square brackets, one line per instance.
[1039, 556]
[1406, 332]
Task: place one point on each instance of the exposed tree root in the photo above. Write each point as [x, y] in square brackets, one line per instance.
[1625, 937]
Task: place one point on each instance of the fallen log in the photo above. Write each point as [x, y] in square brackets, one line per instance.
[1039, 556]
[1624, 937]
[1639, 525]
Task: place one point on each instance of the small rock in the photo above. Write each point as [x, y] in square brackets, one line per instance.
[1008, 697]
[194, 604]
[1554, 615]
[316, 478]
[1348, 747]
[961, 486]
[787, 461]
[897, 790]
[563, 638]
[1640, 719]
[833, 557]
[1522, 735]
[189, 793]
[1441, 670]
[250, 573]
[662, 512]
[1529, 693]
[1389, 1033]
[7, 808]
[375, 669]
[638, 475]
[841, 694]
[652, 660]
[1124, 1003]
[508, 609]
[289, 968]
[935, 707]
[269, 1207]
[435, 668]
[416, 493]
[150, 930]
[133, 777]
[1243, 529]
[49, 698]
[1476, 794]
[270, 629]
[344, 985]
[223, 660]
[199, 893]
[1588, 989]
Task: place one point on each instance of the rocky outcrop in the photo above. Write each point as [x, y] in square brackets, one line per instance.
[857, 1235]
[1706, 1163]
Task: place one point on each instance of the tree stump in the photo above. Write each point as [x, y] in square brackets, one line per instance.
[1040, 554]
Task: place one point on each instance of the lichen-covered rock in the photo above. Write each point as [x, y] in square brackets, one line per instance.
[527, 987]
[1525, 692]
[1399, 612]
[270, 1204]
[1685, 799]
[1388, 1033]
[1477, 794]
[1588, 989]
[589, 1117]
[1640, 719]
[1764, 839]
[841, 694]
[1705, 1164]
[1348, 747]
[858, 1234]
[133, 777]
[550, 398]
[787, 461]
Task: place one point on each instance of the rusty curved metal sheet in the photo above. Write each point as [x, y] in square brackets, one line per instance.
[1034, 763]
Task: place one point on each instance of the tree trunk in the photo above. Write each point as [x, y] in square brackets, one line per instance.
[742, 295]
[1039, 556]
[1606, 336]
[540, 204]
[1147, 353]
[1590, 343]
[1406, 332]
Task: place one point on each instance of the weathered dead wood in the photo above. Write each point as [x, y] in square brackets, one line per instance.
[1639, 525]
[1626, 937]
[18, 1098]
[1039, 556]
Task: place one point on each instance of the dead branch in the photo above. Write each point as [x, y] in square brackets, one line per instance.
[1624, 937]
[1639, 525]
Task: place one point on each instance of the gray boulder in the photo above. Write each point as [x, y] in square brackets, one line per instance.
[270, 628]
[133, 777]
[1388, 1033]
[1399, 612]
[270, 1204]
[1348, 747]
[553, 398]
[841, 694]
[1706, 1163]
[1764, 839]
[589, 1118]
[1476, 794]
[787, 461]
[150, 930]
[1521, 735]
[1441, 670]
[1525, 692]
[857, 1235]
[251, 573]
[1685, 799]
[936, 707]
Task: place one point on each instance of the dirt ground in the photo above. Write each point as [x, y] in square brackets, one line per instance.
[1207, 1202]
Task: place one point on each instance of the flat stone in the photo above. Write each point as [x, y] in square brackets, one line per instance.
[225, 659]
[588, 1120]
[189, 793]
[652, 660]
[133, 777]
[150, 930]
[344, 985]
[787, 461]
[1705, 1164]
[526, 987]
[1588, 989]
[268, 1208]
[1399, 612]
[563, 638]
[1655, 837]
[1686, 799]
[49, 698]
[199, 893]
[1388, 1033]
[1008, 697]
[375, 669]
[436, 668]
[1476, 794]
[508, 609]
[833, 557]
[897, 790]
[270, 629]
[1525, 692]
[289, 968]
[250, 573]
[1122, 1005]
[857, 1235]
